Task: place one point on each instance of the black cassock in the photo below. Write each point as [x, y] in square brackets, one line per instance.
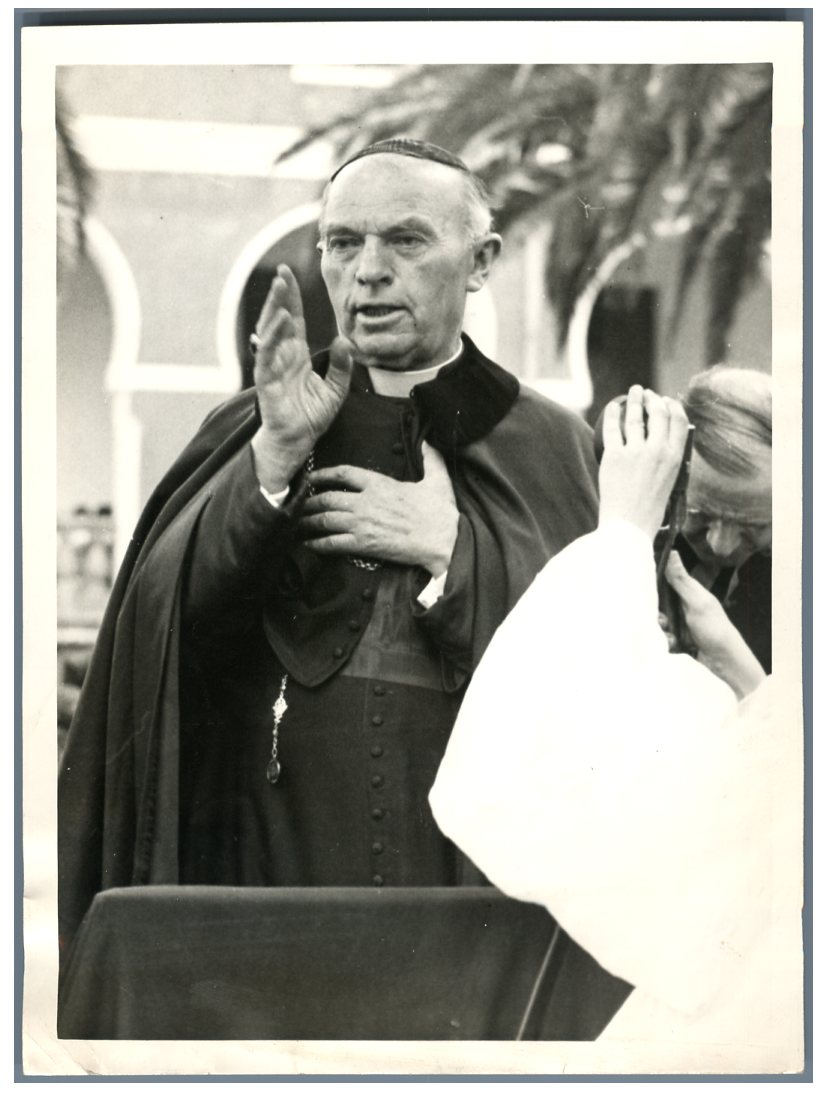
[164, 778]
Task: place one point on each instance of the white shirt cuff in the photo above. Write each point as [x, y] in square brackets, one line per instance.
[275, 498]
[433, 592]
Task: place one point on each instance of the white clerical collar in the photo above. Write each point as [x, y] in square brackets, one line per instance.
[389, 382]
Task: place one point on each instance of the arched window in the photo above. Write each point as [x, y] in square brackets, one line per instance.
[297, 250]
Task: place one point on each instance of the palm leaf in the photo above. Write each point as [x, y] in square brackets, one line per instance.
[75, 183]
[609, 153]
[733, 156]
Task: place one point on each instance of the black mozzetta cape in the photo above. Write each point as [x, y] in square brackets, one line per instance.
[524, 477]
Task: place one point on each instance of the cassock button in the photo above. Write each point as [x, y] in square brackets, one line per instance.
[376, 751]
[377, 721]
[378, 880]
[377, 847]
[398, 448]
[353, 625]
[377, 780]
[367, 594]
[379, 691]
[378, 813]
[338, 653]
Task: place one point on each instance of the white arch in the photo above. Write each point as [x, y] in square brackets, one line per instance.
[125, 373]
[481, 320]
[582, 390]
[124, 302]
[240, 271]
[125, 307]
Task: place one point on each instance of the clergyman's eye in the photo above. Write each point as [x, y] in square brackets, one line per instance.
[406, 240]
[340, 244]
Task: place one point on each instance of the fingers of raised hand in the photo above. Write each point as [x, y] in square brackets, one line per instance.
[284, 294]
[278, 327]
[678, 424]
[290, 289]
[612, 434]
[340, 366]
[280, 355]
[276, 299]
[657, 418]
[633, 423]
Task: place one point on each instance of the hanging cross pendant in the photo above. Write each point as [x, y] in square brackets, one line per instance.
[273, 771]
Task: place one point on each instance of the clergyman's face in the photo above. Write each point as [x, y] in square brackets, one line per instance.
[398, 261]
[729, 518]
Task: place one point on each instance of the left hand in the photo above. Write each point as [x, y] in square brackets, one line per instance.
[358, 512]
[666, 629]
[721, 647]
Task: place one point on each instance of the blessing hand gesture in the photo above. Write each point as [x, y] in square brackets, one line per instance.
[297, 405]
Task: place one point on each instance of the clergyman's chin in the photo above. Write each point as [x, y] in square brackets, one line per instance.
[377, 351]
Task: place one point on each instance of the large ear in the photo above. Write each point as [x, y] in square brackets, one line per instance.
[486, 250]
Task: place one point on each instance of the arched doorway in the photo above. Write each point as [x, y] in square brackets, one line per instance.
[298, 250]
[84, 335]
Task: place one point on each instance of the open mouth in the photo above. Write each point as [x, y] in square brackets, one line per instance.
[376, 312]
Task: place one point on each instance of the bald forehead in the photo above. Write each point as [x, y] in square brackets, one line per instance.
[395, 179]
[404, 168]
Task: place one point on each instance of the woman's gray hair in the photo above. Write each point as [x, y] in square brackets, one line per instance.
[731, 409]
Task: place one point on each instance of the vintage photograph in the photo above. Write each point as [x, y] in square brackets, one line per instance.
[423, 698]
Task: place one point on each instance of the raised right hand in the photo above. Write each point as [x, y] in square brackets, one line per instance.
[297, 405]
[639, 465]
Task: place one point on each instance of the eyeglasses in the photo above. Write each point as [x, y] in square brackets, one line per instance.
[698, 517]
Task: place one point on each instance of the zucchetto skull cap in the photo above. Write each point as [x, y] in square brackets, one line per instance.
[407, 146]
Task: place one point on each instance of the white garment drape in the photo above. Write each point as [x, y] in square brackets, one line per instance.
[627, 791]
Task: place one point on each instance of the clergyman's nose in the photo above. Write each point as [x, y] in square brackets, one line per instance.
[723, 538]
[373, 263]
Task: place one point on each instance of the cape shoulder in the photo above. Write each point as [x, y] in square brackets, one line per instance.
[539, 434]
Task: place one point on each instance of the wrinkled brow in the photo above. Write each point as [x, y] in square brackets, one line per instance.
[731, 508]
[420, 224]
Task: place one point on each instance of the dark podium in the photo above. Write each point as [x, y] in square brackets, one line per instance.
[218, 963]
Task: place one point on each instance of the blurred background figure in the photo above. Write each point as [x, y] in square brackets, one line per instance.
[634, 201]
[726, 540]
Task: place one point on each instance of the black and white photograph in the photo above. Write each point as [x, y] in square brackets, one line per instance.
[409, 688]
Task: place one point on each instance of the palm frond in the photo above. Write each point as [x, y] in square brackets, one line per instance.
[731, 169]
[735, 260]
[608, 153]
[75, 184]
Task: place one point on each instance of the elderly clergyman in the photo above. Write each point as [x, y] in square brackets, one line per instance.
[314, 580]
